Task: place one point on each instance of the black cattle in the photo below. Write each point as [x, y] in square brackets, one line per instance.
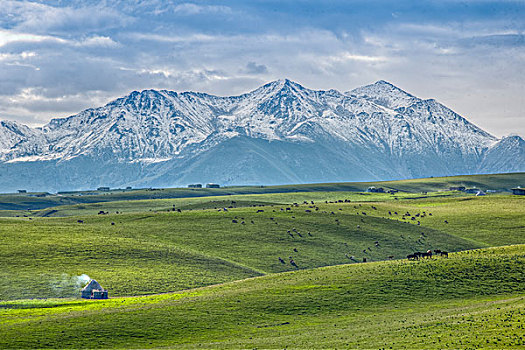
[427, 254]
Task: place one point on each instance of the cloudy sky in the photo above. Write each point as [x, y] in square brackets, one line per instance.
[60, 57]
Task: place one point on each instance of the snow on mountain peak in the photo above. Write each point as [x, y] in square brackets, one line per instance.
[385, 94]
[378, 128]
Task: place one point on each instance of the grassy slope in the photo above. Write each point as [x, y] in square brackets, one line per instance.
[473, 299]
[152, 252]
[27, 202]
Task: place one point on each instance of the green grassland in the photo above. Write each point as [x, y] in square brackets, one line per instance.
[473, 299]
[34, 201]
[204, 270]
[145, 252]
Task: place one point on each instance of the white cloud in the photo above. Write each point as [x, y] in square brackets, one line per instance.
[194, 9]
[8, 37]
[101, 41]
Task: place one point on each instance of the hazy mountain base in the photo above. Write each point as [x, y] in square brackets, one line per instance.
[237, 161]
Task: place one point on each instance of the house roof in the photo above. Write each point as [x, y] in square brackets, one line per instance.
[92, 285]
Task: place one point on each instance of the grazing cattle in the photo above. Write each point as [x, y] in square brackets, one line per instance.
[443, 253]
[295, 250]
[412, 257]
[260, 211]
[391, 257]
[428, 254]
[446, 222]
[358, 226]
[234, 221]
[112, 223]
[364, 259]
[80, 221]
[180, 211]
[308, 211]
[281, 260]
[252, 222]
[299, 234]
[292, 262]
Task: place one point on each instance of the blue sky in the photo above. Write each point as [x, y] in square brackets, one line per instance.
[59, 57]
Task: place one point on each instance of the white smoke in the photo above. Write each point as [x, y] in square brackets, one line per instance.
[83, 279]
[69, 286]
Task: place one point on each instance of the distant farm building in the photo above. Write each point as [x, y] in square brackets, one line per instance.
[22, 191]
[481, 193]
[458, 188]
[103, 189]
[212, 186]
[519, 191]
[472, 190]
[376, 189]
[93, 290]
[195, 186]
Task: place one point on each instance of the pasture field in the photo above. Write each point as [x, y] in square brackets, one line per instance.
[35, 201]
[162, 251]
[473, 299]
[269, 270]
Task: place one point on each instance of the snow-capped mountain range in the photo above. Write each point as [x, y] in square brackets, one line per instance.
[279, 133]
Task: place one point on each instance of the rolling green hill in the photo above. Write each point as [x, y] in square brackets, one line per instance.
[147, 252]
[473, 299]
[278, 267]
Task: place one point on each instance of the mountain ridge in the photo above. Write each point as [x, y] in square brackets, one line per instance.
[155, 137]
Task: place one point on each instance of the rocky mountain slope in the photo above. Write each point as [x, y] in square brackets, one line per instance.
[279, 133]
